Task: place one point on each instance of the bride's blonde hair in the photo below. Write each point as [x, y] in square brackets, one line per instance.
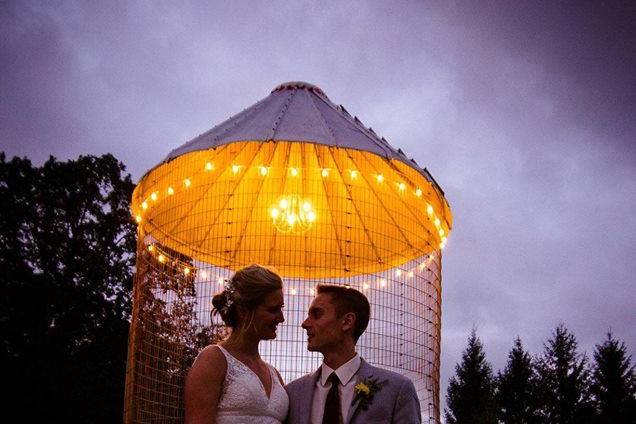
[246, 289]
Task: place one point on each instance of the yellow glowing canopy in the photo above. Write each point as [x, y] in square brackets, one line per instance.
[310, 208]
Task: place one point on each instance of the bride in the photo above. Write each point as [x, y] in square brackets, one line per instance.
[229, 382]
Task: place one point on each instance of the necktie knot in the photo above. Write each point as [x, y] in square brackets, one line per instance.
[333, 378]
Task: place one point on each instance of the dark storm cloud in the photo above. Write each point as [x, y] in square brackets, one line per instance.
[524, 114]
[589, 48]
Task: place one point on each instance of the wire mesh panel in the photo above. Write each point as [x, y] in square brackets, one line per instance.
[317, 214]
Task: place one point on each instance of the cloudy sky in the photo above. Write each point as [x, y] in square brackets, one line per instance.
[525, 115]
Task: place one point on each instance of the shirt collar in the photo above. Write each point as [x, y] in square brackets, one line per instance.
[345, 372]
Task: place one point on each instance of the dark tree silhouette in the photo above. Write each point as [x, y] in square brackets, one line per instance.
[563, 381]
[516, 388]
[66, 261]
[613, 383]
[470, 396]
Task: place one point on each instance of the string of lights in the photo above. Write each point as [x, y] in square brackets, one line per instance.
[163, 258]
[290, 213]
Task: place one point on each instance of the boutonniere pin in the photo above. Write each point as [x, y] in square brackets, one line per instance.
[364, 391]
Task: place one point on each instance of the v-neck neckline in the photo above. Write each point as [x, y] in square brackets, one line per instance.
[271, 377]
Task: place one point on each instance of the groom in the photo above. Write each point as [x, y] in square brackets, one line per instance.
[346, 389]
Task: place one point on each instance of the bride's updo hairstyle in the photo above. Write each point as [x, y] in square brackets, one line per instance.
[246, 289]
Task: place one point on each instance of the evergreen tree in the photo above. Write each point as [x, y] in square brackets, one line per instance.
[470, 396]
[563, 381]
[67, 250]
[613, 383]
[516, 388]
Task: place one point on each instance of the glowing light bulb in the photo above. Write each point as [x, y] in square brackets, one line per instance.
[382, 282]
[187, 182]
[186, 271]
[312, 291]
[380, 178]
[311, 216]
[293, 291]
[151, 248]
[437, 222]
[236, 169]
[153, 196]
[429, 210]
[411, 274]
[203, 274]
[209, 166]
[221, 280]
[275, 212]
[263, 170]
[170, 191]
[291, 219]
[365, 286]
[402, 186]
[144, 205]
[293, 171]
[441, 232]
[161, 258]
[422, 266]
[398, 272]
[418, 192]
[306, 206]
[138, 219]
[324, 173]
[284, 203]
[354, 174]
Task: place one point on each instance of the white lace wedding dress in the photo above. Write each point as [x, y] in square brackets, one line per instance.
[243, 397]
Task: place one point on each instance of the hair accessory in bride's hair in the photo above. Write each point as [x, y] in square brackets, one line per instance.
[228, 292]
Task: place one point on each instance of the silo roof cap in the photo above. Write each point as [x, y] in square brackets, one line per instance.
[299, 85]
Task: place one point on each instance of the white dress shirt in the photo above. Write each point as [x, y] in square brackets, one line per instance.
[345, 373]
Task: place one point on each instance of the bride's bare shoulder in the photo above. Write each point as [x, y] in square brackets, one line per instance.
[211, 354]
[210, 361]
[203, 385]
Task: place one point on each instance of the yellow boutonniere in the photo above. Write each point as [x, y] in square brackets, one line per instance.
[364, 391]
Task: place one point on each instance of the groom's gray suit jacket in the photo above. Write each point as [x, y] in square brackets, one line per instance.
[395, 402]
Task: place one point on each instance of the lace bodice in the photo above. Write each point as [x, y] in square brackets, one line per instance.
[243, 397]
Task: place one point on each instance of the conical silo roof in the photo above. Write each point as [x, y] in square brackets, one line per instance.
[295, 182]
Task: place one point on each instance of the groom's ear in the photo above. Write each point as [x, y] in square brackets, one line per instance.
[348, 321]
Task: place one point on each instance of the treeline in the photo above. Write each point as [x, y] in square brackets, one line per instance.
[67, 255]
[558, 386]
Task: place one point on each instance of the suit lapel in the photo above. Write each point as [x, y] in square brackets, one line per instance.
[365, 371]
[352, 410]
[308, 393]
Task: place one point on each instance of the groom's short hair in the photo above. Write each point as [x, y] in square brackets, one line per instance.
[346, 300]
